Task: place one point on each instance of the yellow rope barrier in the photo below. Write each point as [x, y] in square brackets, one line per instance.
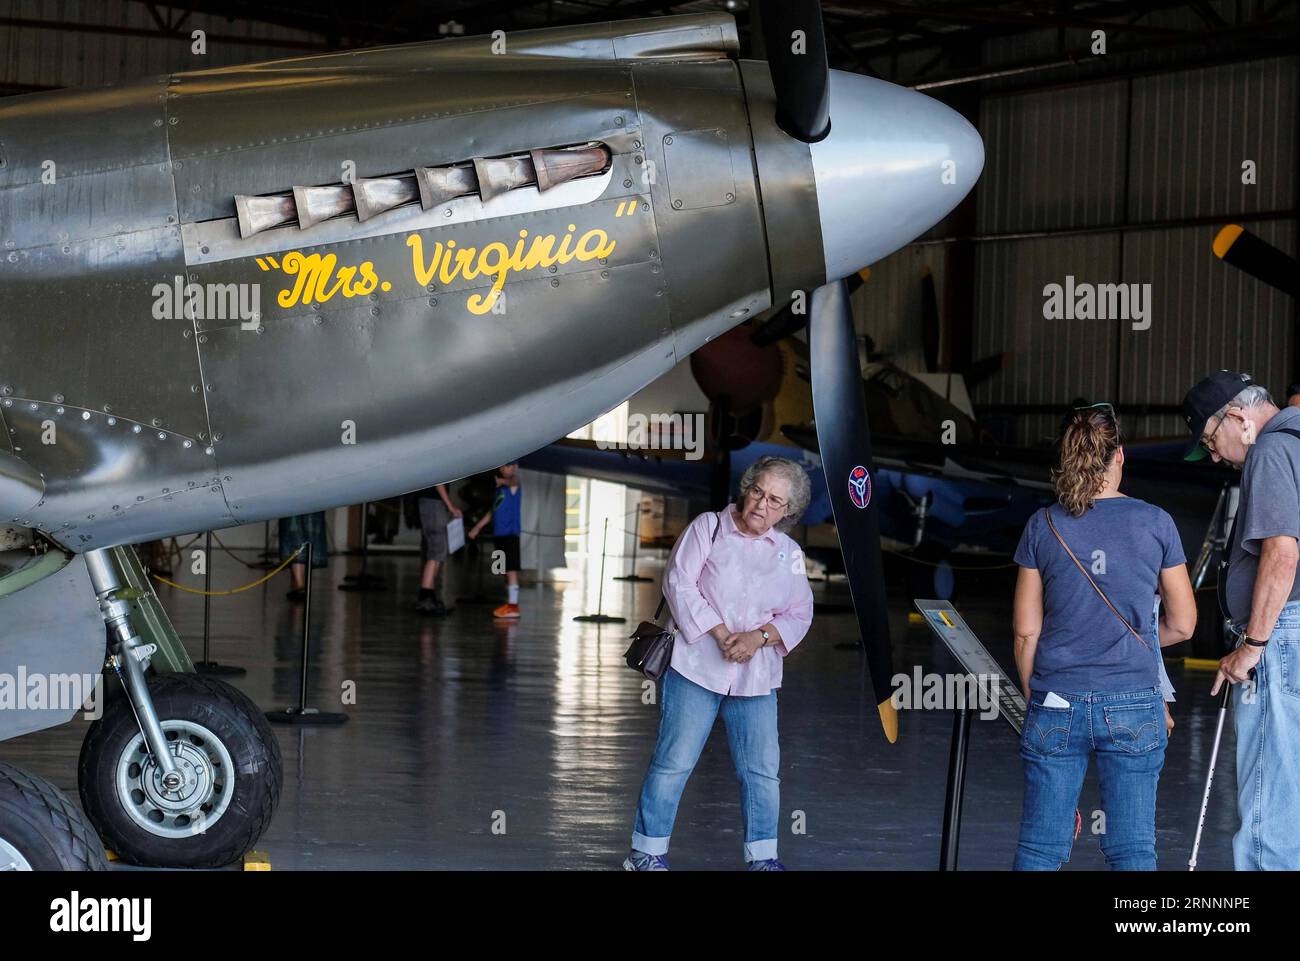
[237, 590]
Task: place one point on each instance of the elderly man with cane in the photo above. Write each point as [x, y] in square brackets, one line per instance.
[1235, 421]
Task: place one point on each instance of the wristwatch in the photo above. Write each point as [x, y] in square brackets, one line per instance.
[1253, 642]
[767, 638]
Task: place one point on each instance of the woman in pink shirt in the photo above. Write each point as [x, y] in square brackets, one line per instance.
[739, 597]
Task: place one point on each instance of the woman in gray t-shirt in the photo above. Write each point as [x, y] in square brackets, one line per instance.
[1090, 566]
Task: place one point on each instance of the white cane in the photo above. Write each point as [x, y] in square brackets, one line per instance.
[1209, 778]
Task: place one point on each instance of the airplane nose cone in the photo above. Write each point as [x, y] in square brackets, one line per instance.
[894, 164]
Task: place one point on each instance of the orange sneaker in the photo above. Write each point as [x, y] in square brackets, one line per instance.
[506, 610]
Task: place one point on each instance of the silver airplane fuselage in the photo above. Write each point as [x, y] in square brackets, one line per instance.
[162, 371]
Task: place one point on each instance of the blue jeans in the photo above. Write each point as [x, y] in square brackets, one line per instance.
[1266, 717]
[1127, 734]
[687, 713]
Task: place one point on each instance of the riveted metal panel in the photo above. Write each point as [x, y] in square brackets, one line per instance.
[715, 258]
[104, 471]
[81, 317]
[75, 649]
[697, 165]
[229, 137]
[788, 192]
[409, 377]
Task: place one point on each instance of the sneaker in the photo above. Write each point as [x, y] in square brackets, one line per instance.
[432, 605]
[767, 864]
[640, 861]
[506, 610]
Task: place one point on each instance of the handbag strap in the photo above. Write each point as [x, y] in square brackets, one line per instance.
[662, 598]
[1100, 593]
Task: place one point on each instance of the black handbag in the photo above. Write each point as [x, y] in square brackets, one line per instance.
[651, 650]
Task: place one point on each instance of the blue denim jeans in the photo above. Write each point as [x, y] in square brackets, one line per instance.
[687, 713]
[1127, 734]
[1266, 717]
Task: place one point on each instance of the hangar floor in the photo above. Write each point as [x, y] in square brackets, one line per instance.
[459, 718]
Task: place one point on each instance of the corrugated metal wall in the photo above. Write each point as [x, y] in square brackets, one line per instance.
[50, 57]
[1056, 162]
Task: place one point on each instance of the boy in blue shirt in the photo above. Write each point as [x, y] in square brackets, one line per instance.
[506, 527]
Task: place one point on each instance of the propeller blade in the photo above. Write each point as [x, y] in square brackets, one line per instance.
[1239, 247]
[796, 55]
[785, 321]
[981, 370]
[845, 443]
[929, 321]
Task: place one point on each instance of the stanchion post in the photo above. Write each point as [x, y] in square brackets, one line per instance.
[207, 595]
[599, 617]
[306, 623]
[363, 580]
[207, 665]
[632, 575]
[302, 714]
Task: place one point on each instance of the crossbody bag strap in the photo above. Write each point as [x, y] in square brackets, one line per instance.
[1100, 593]
[664, 600]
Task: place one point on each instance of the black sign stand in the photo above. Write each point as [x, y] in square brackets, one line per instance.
[956, 786]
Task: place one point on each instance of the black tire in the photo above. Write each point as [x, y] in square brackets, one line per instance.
[44, 826]
[242, 730]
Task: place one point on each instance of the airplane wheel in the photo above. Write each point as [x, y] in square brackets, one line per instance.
[41, 829]
[224, 749]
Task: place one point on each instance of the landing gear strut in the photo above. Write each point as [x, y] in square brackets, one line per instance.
[182, 772]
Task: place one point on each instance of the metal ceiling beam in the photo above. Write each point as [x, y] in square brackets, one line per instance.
[955, 13]
[74, 26]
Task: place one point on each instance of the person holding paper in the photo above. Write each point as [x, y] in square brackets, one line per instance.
[436, 511]
[1085, 648]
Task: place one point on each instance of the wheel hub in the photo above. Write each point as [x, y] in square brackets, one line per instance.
[201, 791]
[11, 859]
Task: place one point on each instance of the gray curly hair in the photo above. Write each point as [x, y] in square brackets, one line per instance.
[793, 473]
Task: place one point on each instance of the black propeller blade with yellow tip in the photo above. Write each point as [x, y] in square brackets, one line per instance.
[1237, 246]
[844, 440]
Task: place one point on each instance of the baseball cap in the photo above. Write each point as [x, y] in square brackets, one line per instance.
[1204, 400]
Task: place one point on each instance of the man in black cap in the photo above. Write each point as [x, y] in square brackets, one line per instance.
[1235, 421]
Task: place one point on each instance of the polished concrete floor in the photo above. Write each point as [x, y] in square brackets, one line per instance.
[475, 744]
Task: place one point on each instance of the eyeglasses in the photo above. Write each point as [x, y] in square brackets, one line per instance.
[1208, 442]
[1105, 403]
[762, 496]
